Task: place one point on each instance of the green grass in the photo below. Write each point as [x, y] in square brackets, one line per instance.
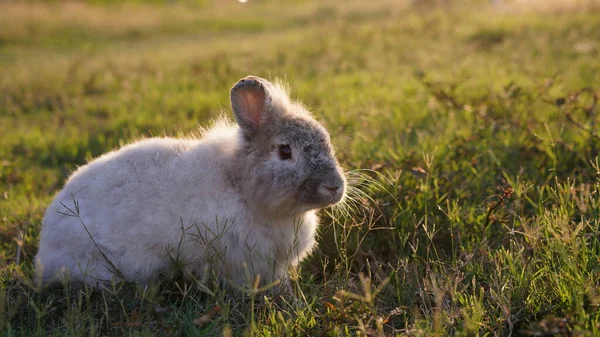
[479, 127]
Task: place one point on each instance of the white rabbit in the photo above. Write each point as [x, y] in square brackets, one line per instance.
[238, 203]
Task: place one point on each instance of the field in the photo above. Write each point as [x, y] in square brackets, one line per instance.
[474, 126]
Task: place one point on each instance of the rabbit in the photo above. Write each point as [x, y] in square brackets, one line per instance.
[239, 202]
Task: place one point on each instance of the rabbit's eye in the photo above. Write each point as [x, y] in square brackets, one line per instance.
[285, 152]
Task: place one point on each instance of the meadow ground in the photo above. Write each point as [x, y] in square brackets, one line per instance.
[478, 125]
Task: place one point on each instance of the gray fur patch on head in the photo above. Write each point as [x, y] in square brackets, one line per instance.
[292, 185]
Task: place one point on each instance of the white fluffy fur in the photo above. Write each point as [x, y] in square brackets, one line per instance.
[184, 185]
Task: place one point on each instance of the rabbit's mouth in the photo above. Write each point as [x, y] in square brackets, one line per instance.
[320, 193]
[325, 196]
[331, 195]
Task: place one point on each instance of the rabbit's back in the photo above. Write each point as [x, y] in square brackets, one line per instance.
[133, 203]
[131, 181]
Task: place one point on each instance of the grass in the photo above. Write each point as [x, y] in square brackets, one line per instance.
[476, 125]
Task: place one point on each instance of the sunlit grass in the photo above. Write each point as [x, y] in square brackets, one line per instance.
[468, 132]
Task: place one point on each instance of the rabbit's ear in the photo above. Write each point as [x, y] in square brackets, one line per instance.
[249, 100]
